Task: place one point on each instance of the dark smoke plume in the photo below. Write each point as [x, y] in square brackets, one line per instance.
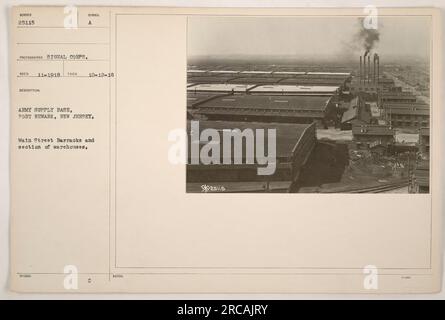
[366, 38]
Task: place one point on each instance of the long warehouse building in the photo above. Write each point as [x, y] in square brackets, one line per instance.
[270, 108]
[294, 145]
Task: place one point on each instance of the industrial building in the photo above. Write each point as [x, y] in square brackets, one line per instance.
[295, 90]
[254, 80]
[407, 115]
[294, 144]
[397, 97]
[387, 84]
[357, 87]
[406, 105]
[256, 72]
[194, 99]
[424, 142]
[208, 79]
[285, 74]
[271, 108]
[358, 112]
[408, 118]
[264, 77]
[372, 136]
[421, 177]
[398, 108]
[220, 87]
[315, 80]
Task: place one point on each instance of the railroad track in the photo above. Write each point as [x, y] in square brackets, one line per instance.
[375, 189]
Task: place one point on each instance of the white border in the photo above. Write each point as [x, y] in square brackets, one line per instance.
[4, 139]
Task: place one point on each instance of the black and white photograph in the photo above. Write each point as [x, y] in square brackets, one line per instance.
[140, 141]
[308, 104]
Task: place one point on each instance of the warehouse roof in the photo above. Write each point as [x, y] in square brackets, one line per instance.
[303, 80]
[347, 74]
[195, 99]
[287, 135]
[289, 72]
[271, 102]
[295, 89]
[256, 72]
[286, 114]
[224, 71]
[254, 80]
[350, 114]
[220, 87]
[197, 71]
[210, 79]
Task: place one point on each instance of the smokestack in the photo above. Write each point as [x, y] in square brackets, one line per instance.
[364, 66]
[360, 72]
[369, 68]
[378, 70]
[367, 39]
[364, 69]
[373, 65]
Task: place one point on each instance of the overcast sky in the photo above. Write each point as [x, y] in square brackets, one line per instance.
[304, 36]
